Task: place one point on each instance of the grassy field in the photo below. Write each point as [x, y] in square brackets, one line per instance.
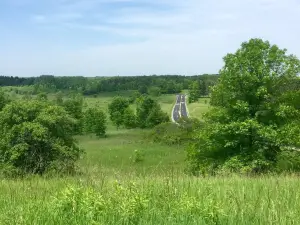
[127, 179]
[197, 109]
[160, 199]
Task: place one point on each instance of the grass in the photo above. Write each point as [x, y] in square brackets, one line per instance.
[169, 199]
[199, 108]
[127, 179]
[115, 155]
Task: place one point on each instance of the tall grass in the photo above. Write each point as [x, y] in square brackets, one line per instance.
[166, 199]
[127, 179]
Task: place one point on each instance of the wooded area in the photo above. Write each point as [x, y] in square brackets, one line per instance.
[167, 84]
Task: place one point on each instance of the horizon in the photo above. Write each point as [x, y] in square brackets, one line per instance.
[158, 75]
[107, 38]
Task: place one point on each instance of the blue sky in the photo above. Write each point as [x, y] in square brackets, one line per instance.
[136, 37]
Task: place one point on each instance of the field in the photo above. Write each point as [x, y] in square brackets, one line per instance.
[127, 179]
[197, 109]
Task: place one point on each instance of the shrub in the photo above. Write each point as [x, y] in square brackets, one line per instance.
[149, 113]
[95, 121]
[129, 119]
[37, 137]
[175, 134]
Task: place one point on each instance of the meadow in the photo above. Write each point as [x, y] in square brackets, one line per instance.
[127, 179]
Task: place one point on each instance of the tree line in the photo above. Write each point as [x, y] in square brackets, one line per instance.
[163, 84]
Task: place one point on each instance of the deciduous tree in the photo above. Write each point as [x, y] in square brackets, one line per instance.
[255, 116]
[36, 137]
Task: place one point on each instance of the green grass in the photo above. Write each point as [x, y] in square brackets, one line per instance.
[172, 199]
[116, 188]
[113, 189]
[199, 108]
[115, 154]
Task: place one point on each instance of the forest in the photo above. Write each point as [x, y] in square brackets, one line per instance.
[168, 84]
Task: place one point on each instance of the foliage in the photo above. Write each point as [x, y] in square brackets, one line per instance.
[133, 97]
[139, 156]
[194, 92]
[168, 84]
[256, 114]
[74, 106]
[59, 98]
[142, 89]
[149, 113]
[90, 207]
[42, 97]
[4, 100]
[129, 119]
[154, 91]
[117, 109]
[176, 134]
[37, 137]
[95, 121]
[200, 88]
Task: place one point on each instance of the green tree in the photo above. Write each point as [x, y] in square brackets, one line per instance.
[4, 100]
[203, 89]
[74, 106]
[143, 89]
[129, 119]
[59, 98]
[42, 97]
[149, 113]
[95, 121]
[154, 91]
[254, 119]
[116, 110]
[194, 92]
[36, 137]
[118, 119]
[156, 116]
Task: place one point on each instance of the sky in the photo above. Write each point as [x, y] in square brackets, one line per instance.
[137, 37]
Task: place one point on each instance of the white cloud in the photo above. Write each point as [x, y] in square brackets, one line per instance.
[179, 37]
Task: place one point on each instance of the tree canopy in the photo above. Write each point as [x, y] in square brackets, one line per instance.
[255, 118]
[36, 137]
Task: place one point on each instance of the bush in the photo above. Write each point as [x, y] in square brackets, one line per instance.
[117, 109]
[175, 134]
[37, 137]
[74, 106]
[149, 113]
[95, 121]
[139, 156]
[129, 119]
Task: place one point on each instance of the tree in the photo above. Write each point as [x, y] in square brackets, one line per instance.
[42, 97]
[203, 90]
[194, 92]
[154, 91]
[149, 113]
[59, 98]
[95, 121]
[116, 110]
[37, 137]
[4, 100]
[117, 119]
[143, 89]
[156, 116]
[129, 119]
[74, 106]
[254, 119]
